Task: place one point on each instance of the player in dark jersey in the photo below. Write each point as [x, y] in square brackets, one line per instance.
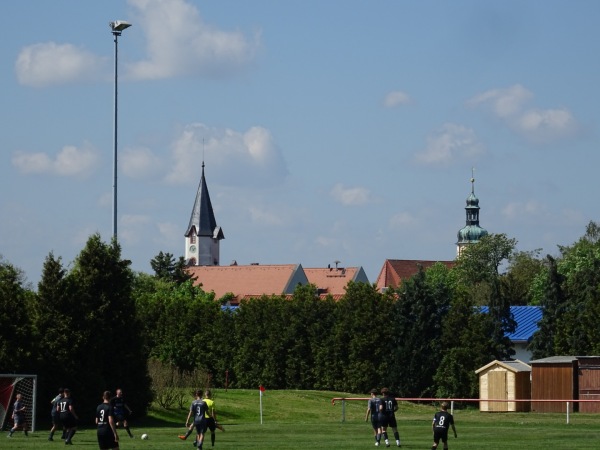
[67, 415]
[373, 408]
[121, 410]
[442, 420]
[54, 414]
[198, 408]
[389, 406]
[18, 416]
[108, 439]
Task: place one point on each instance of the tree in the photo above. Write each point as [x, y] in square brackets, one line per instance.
[478, 270]
[166, 268]
[553, 307]
[523, 268]
[415, 330]
[15, 323]
[104, 336]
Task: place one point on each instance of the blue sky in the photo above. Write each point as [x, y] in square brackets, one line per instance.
[337, 130]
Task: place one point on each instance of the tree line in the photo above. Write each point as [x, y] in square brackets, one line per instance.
[97, 324]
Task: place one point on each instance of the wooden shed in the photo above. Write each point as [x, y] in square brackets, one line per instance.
[504, 380]
[589, 383]
[554, 378]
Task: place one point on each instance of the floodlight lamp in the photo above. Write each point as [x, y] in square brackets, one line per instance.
[119, 25]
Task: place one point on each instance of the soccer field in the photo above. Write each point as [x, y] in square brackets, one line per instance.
[306, 419]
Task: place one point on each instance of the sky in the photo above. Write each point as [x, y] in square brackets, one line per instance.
[330, 130]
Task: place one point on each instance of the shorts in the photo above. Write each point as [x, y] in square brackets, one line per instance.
[55, 419]
[68, 421]
[211, 425]
[20, 421]
[200, 426]
[440, 434]
[375, 422]
[120, 417]
[389, 421]
[106, 441]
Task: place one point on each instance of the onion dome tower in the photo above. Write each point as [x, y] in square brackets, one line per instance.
[471, 233]
[202, 235]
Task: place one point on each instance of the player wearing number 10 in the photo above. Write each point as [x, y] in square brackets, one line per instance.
[389, 406]
[442, 420]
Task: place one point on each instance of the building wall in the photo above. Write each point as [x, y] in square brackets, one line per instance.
[552, 382]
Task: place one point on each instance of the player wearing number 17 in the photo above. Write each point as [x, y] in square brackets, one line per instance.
[442, 420]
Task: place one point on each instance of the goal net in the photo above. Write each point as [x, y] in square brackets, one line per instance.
[10, 386]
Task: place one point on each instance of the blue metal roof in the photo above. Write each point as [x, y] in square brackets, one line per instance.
[527, 318]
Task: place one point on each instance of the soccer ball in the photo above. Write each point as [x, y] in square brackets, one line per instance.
[144, 436]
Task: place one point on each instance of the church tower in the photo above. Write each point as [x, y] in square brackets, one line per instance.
[202, 235]
[471, 232]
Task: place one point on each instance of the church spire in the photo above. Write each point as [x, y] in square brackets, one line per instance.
[203, 235]
[471, 232]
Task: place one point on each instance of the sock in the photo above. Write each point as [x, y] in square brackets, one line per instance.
[187, 434]
[385, 435]
[378, 438]
[128, 431]
[70, 435]
[212, 438]
[397, 435]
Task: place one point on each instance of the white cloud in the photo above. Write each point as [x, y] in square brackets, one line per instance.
[536, 124]
[133, 228]
[45, 64]
[350, 196]
[179, 42]
[395, 98]
[402, 220]
[503, 102]
[516, 210]
[264, 217]
[449, 143]
[70, 161]
[243, 158]
[139, 163]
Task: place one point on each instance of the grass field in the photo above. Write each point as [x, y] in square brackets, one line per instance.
[307, 420]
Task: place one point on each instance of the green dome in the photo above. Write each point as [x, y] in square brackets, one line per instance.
[471, 234]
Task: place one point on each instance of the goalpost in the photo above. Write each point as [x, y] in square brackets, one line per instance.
[10, 386]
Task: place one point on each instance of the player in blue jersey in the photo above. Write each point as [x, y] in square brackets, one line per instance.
[121, 410]
[389, 406]
[373, 408]
[442, 420]
[18, 416]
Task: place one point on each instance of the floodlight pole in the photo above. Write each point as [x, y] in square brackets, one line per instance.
[117, 27]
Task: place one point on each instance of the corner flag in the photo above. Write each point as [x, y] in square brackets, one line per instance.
[261, 390]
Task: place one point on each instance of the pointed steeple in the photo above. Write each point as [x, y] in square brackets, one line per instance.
[203, 234]
[471, 232]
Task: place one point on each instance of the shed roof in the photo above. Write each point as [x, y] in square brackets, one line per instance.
[554, 360]
[515, 366]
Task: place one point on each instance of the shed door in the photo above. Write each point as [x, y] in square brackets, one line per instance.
[497, 390]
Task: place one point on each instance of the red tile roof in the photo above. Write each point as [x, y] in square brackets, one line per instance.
[334, 280]
[249, 281]
[395, 270]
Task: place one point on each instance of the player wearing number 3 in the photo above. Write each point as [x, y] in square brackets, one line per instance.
[441, 422]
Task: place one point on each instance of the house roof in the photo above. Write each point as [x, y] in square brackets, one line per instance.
[333, 280]
[527, 318]
[395, 270]
[255, 280]
[515, 365]
[249, 281]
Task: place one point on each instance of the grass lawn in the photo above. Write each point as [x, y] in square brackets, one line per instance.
[307, 420]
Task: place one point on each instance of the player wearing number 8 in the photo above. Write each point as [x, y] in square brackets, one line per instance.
[442, 420]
